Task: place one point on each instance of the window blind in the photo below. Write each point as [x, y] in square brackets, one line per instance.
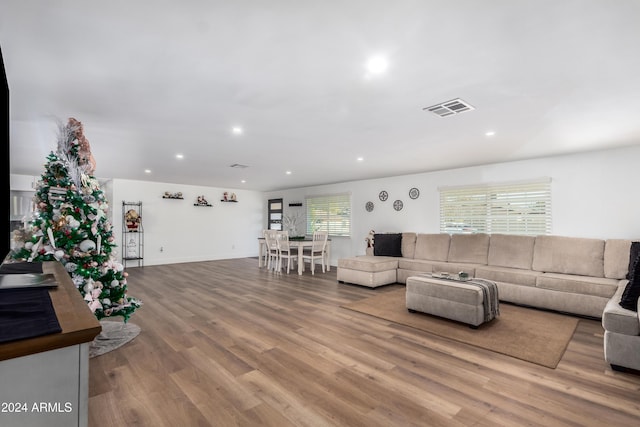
[330, 213]
[516, 208]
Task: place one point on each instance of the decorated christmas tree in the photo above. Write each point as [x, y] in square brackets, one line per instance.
[70, 225]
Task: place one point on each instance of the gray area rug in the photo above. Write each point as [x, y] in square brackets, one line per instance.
[114, 335]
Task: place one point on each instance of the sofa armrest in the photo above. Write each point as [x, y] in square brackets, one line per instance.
[620, 320]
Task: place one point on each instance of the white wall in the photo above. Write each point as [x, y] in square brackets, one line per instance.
[186, 232]
[593, 195]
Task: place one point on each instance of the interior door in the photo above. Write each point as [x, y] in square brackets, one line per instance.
[274, 214]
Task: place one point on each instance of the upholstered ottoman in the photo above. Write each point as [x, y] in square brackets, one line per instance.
[368, 270]
[455, 300]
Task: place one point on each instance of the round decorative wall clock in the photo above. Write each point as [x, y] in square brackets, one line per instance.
[369, 206]
[414, 193]
[383, 196]
[398, 205]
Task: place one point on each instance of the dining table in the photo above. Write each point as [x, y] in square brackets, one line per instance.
[298, 243]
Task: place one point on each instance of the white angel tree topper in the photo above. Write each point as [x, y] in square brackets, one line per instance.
[71, 226]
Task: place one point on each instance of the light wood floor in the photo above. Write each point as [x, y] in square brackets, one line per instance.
[225, 343]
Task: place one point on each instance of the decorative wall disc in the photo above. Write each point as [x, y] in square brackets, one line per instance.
[369, 206]
[398, 205]
[414, 193]
[383, 196]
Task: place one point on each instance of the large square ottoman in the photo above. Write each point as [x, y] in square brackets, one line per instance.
[368, 270]
[455, 300]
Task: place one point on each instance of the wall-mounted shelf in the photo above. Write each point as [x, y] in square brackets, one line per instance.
[176, 195]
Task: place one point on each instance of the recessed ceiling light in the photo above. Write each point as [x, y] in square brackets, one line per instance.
[179, 156]
[236, 130]
[288, 172]
[490, 133]
[243, 181]
[377, 65]
[147, 171]
[360, 159]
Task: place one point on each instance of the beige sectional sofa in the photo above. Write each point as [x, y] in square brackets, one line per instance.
[621, 334]
[568, 274]
[574, 275]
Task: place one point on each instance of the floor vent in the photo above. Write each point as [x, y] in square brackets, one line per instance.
[449, 108]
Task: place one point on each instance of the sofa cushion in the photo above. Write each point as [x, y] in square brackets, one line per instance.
[469, 248]
[506, 250]
[408, 245]
[585, 285]
[629, 299]
[419, 265]
[616, 258]
[618, 319]
[569, 255]
[508, 275]
[634, 252]
[369, 263]
[432, 246]
[388, 244]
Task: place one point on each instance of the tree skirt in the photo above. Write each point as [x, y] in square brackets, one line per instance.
[114, 335]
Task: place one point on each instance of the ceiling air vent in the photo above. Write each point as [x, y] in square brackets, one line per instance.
[449, 108]
[238, 166]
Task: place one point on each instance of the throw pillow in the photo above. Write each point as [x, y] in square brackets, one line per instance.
[389, 244]
[631, 292]
[634, 252]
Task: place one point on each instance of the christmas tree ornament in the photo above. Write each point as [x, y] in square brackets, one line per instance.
[57, 194]
[73, 223]
[61, 223]
[52, 241]
[87, 245]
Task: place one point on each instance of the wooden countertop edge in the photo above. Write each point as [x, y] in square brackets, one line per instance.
[78, 324]
[46, 343]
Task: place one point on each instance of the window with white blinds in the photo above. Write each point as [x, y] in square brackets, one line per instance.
[329, 213]
[516, 208]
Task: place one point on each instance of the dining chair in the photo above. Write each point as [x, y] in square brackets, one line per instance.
[271, 242]
[286, 252]
[317, 251]
[265, 255]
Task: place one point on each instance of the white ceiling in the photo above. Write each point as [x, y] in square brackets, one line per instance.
[150, 79]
